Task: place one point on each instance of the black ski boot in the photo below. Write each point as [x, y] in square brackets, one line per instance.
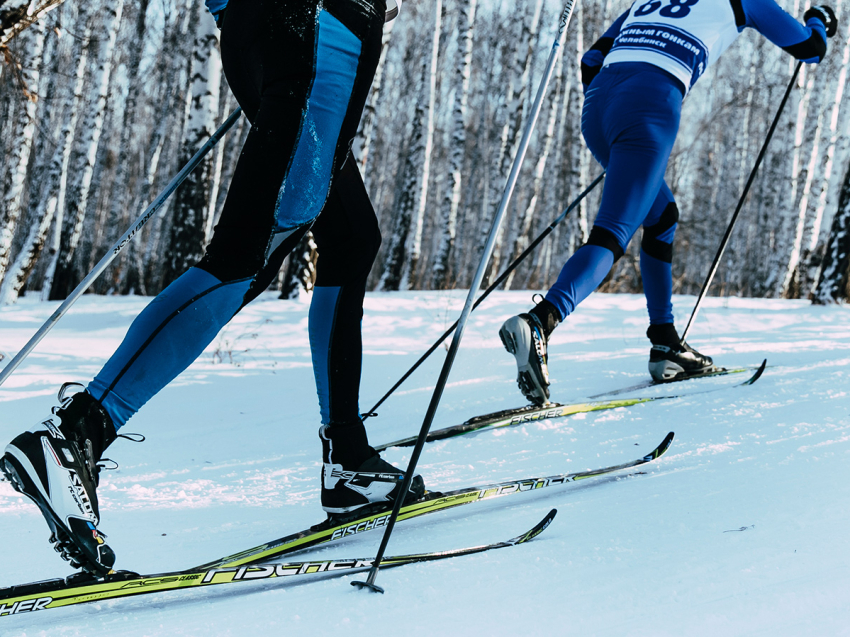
[526, 336]
[669, 359]
[54, 464]
[354, 477]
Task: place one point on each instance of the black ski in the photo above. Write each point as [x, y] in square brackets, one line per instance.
[57, 593]
[530, 413]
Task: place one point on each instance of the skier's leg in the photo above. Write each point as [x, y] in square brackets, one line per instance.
[279, 187]
[311, 108]
[656, 257]
[629, 120]
[669, 358]
[348, 238]
[630, 125]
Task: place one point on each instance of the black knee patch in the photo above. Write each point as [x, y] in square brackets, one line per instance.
[605, 239]
[651, 244]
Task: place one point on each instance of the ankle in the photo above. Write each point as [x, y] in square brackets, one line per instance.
[663, 334]
[547, 316]
[84, 420]
[345, 444]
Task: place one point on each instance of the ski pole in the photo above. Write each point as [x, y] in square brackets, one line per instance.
[740, 205]
[504, 275]
[155, 205]
[467, 308]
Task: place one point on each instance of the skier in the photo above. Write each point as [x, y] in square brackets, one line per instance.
[301, 71]
[635, 78]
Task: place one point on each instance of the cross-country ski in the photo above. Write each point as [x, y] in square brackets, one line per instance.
[60, 593]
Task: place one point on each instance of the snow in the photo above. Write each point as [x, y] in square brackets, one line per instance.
[740, 529]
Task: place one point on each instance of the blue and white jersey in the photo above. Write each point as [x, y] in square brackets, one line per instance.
[684, 37]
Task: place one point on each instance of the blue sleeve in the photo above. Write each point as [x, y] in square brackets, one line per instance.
[216, 6]
[591, 62]
[806, 43]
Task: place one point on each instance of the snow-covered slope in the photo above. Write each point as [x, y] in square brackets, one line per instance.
[741, 529]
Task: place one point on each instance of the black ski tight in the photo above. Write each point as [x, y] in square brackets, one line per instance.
[301, 71]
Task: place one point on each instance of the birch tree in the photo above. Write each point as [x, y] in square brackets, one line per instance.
[451, 198]
[18, 161]
[17, 15]
[410, 269]
[366, 130]
[101, 53]
[512, 129]
[546, 137]
[300, 271]
[43, 206]
[192, 201]
[396, 266]
[834, 283]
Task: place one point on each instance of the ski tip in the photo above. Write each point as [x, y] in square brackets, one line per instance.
[661, 449]
[538, 528]
[758, 373]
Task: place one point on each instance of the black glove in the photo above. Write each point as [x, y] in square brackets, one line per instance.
[825, 15]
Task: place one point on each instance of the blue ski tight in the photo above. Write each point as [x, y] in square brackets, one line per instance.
[629, 121]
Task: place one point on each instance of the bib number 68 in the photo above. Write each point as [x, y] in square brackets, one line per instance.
[676, 8]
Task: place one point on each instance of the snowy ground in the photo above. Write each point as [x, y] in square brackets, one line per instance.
[741, 529]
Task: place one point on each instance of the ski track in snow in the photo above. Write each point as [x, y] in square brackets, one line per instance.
[740, 529]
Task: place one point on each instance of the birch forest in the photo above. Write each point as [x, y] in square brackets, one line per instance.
[103, 101]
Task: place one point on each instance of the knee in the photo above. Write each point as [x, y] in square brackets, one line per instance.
[362, 258]
[604, 238]
[657, 239]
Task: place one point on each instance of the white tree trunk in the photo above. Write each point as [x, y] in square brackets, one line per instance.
[192, 200]
[57, 176]
[366, 131]
[827, 166]
[512, 130]
[451, 198]
[546, 139]
[804, 175]
[17, 15]
[21, 147]
[410, 274]
[834, 282]
[95, 114]
[40, 217]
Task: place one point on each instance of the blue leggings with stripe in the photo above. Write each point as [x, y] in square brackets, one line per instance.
[629, 121]
[301, 71]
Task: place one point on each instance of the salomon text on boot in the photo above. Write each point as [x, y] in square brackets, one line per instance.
[55, 465]
[355, 478]
[670, 359]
